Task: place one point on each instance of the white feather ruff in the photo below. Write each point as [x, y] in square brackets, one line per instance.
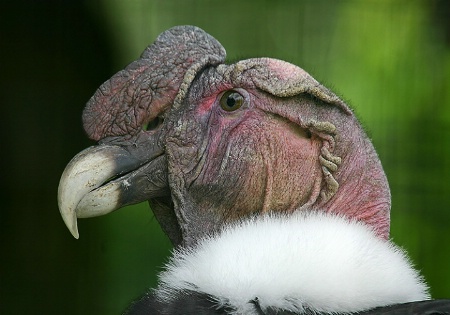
[316, 261]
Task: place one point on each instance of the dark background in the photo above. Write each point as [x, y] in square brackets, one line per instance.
[389, 59]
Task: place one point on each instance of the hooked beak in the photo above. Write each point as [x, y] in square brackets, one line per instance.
[104, 178]
[107, 177]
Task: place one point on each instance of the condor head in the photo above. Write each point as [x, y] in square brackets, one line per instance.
[208, 143]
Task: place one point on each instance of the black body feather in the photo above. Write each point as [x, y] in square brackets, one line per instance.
[196, 303]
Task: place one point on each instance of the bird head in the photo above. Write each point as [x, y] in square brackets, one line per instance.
[209, 143]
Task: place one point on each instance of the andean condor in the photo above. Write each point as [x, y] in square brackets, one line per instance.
[262, 178]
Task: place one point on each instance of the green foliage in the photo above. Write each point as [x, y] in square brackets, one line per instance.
[389, 59]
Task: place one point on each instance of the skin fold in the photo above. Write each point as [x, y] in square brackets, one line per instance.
[208, 143]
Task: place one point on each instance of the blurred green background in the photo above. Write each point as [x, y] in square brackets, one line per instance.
[389, 59]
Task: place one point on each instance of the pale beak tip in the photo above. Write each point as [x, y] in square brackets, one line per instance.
[75, 233]
[70, 219]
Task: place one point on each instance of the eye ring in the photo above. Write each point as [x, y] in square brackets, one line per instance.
[231, 100]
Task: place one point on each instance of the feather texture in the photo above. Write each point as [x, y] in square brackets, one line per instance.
[294, 263]
[195, 303]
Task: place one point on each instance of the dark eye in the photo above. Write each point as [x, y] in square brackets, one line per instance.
[231, 101]
[154, 124]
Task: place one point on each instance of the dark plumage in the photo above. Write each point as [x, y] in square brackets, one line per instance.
[196, 303]
[262, 178]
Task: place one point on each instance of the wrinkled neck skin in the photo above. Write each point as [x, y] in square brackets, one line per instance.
[364, 193]
[252, 160]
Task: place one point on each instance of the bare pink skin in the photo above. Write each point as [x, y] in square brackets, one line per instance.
[147, 87]
[292, 145]
[266, 155]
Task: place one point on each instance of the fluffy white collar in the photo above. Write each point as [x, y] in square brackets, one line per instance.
[316, 261]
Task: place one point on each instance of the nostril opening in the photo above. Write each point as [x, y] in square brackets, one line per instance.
[154, 124]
